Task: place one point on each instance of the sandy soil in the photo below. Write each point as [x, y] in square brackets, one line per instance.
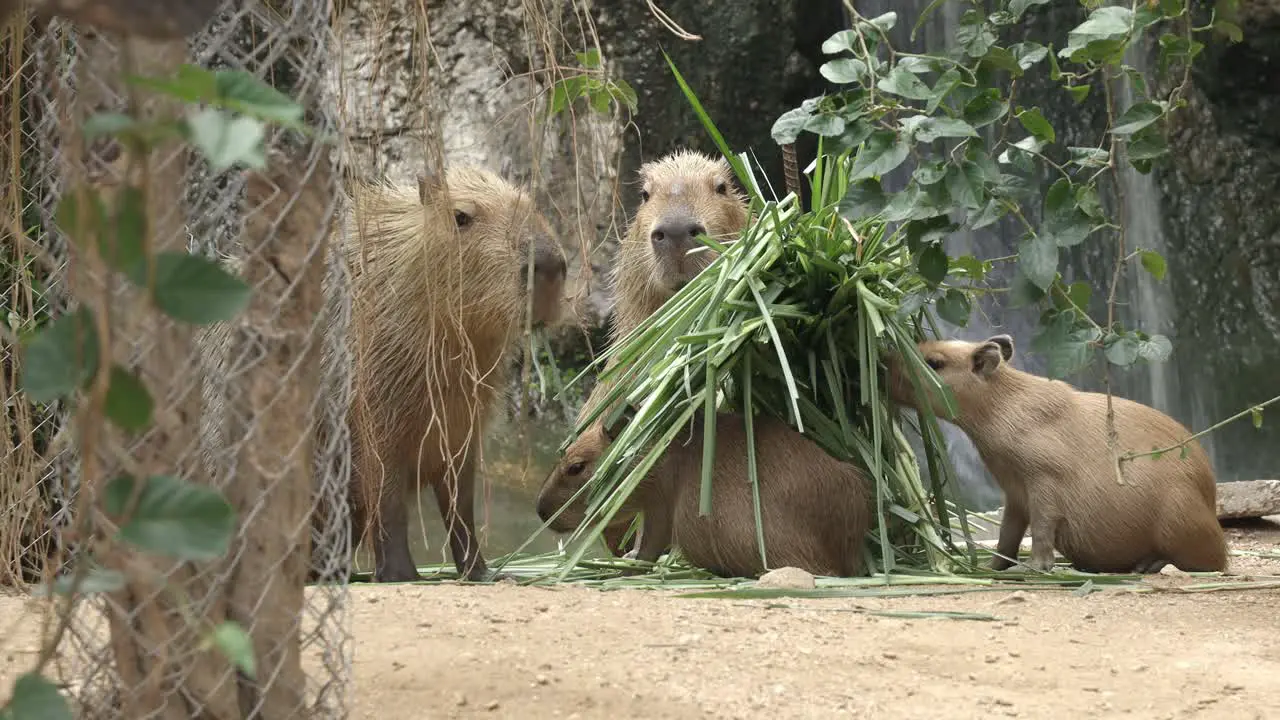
[448, 651]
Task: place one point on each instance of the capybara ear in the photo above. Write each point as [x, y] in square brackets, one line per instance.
[987, 357]
[1006, 345]
[617, 421]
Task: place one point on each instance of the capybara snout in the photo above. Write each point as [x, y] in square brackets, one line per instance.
[675, 232]
[574, 469]
[550, 271]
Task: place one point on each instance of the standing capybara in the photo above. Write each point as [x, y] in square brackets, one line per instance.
[815, 510]
[1046, 444]
[440, 275]
[683, 195]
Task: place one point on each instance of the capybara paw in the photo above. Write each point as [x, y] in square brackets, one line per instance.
[1041, 564]
[999, 563]
[397, 575]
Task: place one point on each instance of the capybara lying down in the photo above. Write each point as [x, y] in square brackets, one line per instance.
[815, 509]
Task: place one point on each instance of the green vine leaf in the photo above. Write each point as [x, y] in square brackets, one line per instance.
[985, 108]
[197, 290]
[1027, 54]
[843, 41]
[1088, 157]
[1154, 263]
[965, 185]
[975, 35]
[226, 140]
[1064, 346]
[1038, 260]
[1136, 118]
[844, 71]
[787, 128]
[173, 518]
[1035, 123]
[1102, 37]
[1064, 223]
[1122, 350]
[954, 307]
[1155, 348]
[883, 152]
[61, 357]
[904, 83]
[128, 403]
[1018, 7]
[245, 93]
[864, 198]
[825, 124]
[933, 264]
[35, 698]
[97, 579]
[236, 645]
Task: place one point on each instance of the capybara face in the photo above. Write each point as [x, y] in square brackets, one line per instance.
[484, 208]
[964, 367]
[684, 195]
[574, 470]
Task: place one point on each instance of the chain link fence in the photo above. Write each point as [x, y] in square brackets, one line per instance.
[255, 407]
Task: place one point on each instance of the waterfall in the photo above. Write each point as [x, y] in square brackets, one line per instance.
[1143, 303]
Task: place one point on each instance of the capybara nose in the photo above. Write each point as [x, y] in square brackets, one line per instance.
[676, 232]
[545, 509]
[549, 264]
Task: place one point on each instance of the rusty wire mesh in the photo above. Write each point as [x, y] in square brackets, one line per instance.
[375, 78]
[247, 380]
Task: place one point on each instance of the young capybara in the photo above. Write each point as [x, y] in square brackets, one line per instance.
[1046, 444]
[440, 277]
[683, 194]
[815, 509]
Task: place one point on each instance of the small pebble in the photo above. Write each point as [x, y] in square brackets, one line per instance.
[491, 705]
[787, 578]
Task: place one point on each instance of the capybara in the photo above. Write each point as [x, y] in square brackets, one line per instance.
[1046, 444]
[815, 509]
[439, 276]
[683, 194]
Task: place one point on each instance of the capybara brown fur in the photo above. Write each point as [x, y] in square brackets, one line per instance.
[815, 510]
[683, 194]
[440, 273]
[1046, 444]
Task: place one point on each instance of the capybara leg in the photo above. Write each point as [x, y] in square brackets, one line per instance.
[392, 561]
[1013, 526]
[1201, 548]
[1150, 565]
[458, 510]
[655, 535]
[1042, 557]
[613, 538]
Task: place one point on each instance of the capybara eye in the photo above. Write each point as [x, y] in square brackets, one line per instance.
[575, 469]
[462, 219]
[934, 363]
[722, 189]
[644, 196]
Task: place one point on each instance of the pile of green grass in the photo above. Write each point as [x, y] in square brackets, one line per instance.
[792, 319]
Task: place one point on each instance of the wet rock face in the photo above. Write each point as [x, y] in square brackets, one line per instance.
[1218, 219]
[1222, 228]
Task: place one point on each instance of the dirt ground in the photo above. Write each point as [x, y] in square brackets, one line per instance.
[449, 651]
